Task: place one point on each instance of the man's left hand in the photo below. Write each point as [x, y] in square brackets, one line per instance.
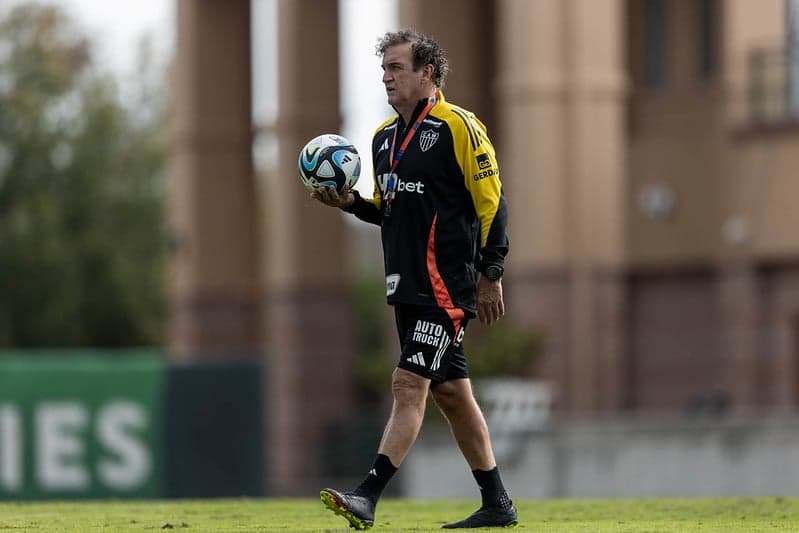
[490, 306]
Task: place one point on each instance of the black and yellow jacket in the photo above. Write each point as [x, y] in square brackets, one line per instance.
[447, 215]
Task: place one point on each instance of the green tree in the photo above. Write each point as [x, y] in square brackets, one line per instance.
[81, 193]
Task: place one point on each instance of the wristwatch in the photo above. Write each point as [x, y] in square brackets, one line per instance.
[494, 272]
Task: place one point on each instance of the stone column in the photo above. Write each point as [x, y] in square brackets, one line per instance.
[213, 284]
[561, 92]
[309, 325]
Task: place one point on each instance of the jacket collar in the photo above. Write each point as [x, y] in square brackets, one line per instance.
[418, 109]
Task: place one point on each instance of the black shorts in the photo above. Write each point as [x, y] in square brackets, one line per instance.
[432, 341]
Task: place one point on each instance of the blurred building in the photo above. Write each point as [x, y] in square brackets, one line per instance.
[649, 151]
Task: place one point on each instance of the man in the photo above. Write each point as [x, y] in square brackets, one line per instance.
[442, 212]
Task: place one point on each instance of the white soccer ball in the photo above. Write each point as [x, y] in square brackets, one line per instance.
[329, 160]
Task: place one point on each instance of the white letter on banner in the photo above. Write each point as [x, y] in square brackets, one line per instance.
[10, 449]
[116, 424]
[60, 462]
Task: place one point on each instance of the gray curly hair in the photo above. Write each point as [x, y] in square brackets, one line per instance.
[425, 50]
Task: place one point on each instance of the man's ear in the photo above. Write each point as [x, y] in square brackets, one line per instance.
[428, 71]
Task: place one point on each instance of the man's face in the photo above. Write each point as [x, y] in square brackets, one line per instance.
[404, 87]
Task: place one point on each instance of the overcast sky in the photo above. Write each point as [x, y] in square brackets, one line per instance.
[117, 26]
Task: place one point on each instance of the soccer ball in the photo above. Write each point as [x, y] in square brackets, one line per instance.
[329, 160]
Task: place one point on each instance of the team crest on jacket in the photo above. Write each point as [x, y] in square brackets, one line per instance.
[427, 139]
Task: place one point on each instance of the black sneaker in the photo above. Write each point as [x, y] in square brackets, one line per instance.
[358, 510]
[487, 517]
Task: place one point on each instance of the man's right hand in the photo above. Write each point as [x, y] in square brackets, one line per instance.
[329, 196]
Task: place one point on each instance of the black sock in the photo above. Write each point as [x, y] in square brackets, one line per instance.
[491, 488]
[377, 478]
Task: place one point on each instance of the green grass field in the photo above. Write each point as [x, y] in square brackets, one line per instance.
[728, 515]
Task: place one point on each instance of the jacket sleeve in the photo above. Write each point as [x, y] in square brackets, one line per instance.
[495, 244]
[367, 210]
[477, 159]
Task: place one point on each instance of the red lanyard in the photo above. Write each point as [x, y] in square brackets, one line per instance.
[394, 160]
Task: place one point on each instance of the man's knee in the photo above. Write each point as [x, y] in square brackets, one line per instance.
[451, 395]
[409, 388]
